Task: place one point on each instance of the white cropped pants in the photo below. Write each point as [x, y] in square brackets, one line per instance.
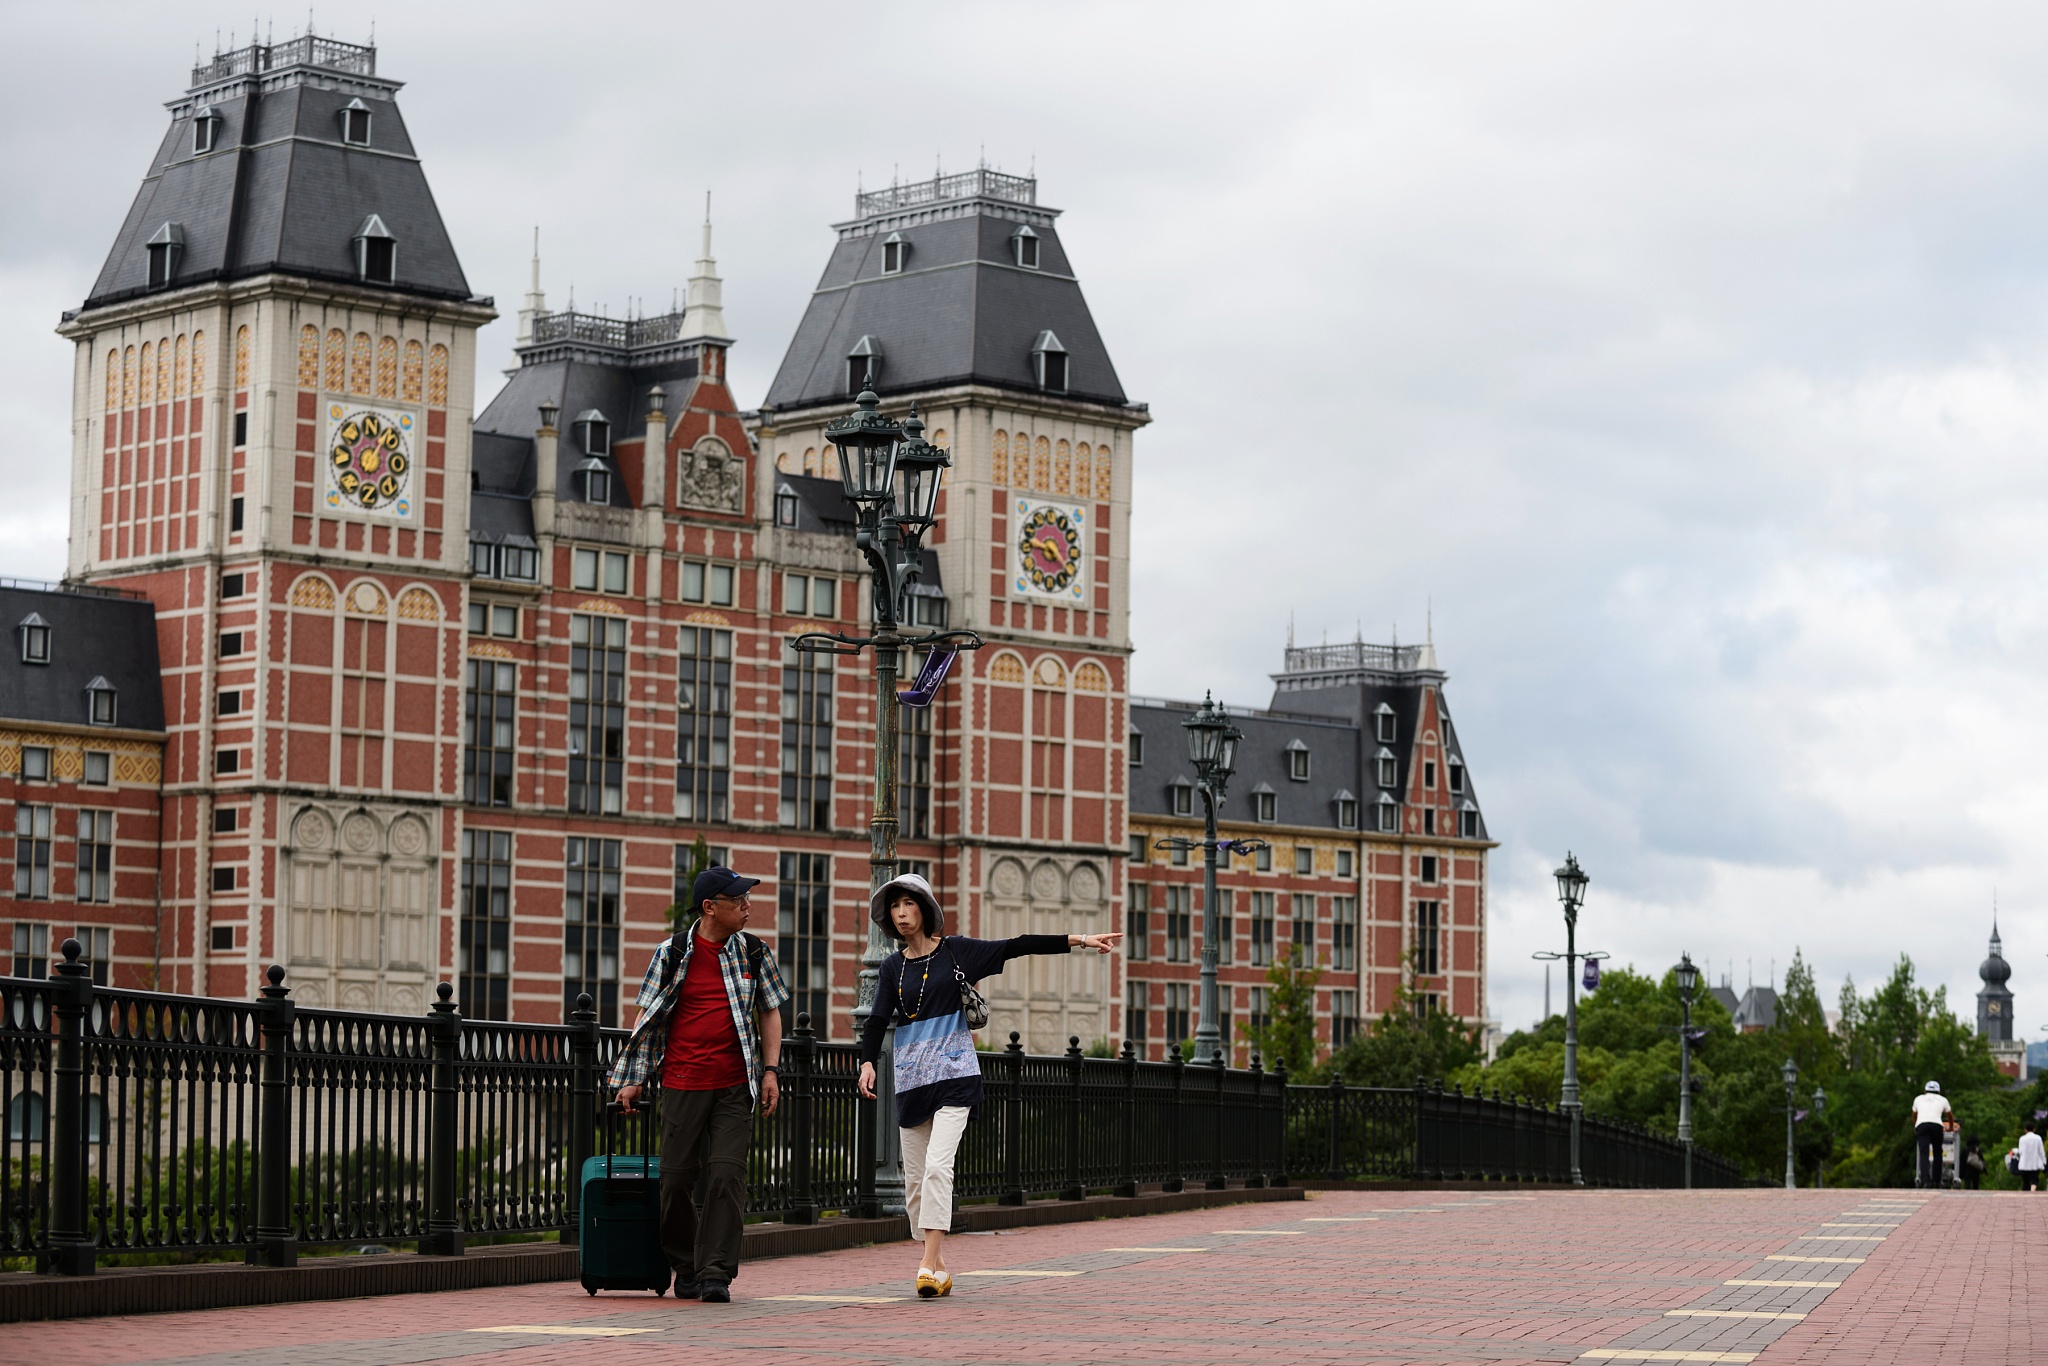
[928, 1152]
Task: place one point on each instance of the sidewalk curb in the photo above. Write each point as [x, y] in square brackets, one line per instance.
[27, 1297]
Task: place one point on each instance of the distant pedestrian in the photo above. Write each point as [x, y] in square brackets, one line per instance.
[1972, 1163]
[938, 1078]
[2033, 1156]
[1929, 1110]
[697, 1033]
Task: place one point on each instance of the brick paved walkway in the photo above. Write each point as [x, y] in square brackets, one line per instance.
[1771, 1276]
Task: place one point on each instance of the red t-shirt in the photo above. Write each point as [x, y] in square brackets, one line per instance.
[703, 1052]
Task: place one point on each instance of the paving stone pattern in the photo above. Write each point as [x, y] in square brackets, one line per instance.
[1552, 1276]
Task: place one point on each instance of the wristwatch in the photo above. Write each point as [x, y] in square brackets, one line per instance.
[771, 1067]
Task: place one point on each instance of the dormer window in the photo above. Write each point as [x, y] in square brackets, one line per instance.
[596, 477]
[1383, 724]
[1468, 820]
[35, 639]
[1297, 761]
[205, 129]
[863, 364]
[355, 124]
[1049, 362]
[166, 246]
[1265, 804]
[1347, 810]
[1024, 243]
[1388, 770]
[1181, 794]
[895, 251]
[597, 432]
[785, 507]
[1454, 773]
[1134, 745]
[376, 252]
[1389, 813]
[101, 702]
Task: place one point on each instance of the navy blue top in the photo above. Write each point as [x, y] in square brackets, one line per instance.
[935, 1060]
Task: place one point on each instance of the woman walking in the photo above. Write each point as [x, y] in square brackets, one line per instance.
[938, 1077]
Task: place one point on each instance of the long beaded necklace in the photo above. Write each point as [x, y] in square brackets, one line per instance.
[923, 981]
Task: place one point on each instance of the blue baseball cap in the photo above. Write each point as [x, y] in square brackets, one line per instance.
[715, 882]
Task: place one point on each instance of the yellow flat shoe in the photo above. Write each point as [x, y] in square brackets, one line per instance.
[928, 1286]
[945, 1284]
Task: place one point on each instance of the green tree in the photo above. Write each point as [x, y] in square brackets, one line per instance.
[1289, 1033]
[1404, 1044]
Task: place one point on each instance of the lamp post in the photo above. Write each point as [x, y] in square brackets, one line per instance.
[1212, 746]
[1791, 1073]
[1688, 988]
[891, 475]
[1571, 890]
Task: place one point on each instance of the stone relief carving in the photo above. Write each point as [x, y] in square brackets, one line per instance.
[707, 476]
[1045, 882]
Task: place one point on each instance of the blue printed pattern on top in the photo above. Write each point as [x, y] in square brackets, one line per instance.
[934, 1050]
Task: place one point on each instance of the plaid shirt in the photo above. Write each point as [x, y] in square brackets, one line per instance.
[641, 1060]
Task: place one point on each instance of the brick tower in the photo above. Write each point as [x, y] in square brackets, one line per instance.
[271, 441]
[957, 294]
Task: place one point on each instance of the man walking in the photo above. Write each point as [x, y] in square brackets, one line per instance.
[2033, 1158]
[1930, 1108]
[704, 992]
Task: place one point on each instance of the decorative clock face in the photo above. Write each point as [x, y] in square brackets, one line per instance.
[369, 461]
[1049, 550]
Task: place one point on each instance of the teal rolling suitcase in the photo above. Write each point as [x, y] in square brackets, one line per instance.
[619, 1230]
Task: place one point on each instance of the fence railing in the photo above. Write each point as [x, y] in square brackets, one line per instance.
[142, 1122]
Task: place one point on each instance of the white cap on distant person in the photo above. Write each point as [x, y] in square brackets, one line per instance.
[1934, 1086]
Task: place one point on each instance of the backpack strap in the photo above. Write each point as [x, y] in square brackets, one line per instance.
[678, 945]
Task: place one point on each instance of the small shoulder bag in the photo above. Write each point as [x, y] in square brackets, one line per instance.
[972, 1003]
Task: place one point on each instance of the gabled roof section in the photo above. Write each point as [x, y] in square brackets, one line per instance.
[961, 310]
[280, 191]
[98, 636]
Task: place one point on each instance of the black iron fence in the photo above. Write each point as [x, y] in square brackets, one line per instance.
[142, 1122]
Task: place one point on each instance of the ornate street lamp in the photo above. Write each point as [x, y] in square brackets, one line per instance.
[1791, 1074]
[891, 475]
[1688, 989]
[1212, 748]
[1571, 890]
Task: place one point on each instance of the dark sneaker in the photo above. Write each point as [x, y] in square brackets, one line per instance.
[714, 1292]
[687, 1290]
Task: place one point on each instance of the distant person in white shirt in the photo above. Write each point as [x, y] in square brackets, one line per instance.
[1929, 1110]
[2033, 1156]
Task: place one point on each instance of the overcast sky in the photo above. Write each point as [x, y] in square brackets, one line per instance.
[1691, 364]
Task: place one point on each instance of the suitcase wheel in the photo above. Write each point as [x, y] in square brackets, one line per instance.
[660, 1292]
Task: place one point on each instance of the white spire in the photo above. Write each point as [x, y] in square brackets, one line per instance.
[536, 302]
[704, 316]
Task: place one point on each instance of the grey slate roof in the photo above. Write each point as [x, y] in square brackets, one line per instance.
[1358, 703]
[1758, 1009]
[577, 386]
[820, 504]
[282, 192]
[92, 634]
[960, 310]
[1261, 761]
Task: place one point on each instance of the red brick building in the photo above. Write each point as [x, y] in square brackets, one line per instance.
[450, 694]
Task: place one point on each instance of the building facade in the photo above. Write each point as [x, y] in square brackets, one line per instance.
[449, 694]
[1375, 860]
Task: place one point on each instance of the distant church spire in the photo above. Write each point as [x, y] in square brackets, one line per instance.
[536, 302]
[705, 314]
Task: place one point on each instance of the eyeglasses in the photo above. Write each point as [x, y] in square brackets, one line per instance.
[743, 899]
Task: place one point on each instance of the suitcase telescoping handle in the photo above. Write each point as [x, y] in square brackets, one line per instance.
[612, 1107]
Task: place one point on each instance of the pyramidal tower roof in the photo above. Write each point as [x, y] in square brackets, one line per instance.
[277, 158]
[952, 280]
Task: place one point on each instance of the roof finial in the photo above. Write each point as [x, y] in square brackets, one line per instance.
[705, 314]
[1290, 628]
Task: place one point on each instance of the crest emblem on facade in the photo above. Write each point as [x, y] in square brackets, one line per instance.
[369, 460]
[1049, 550]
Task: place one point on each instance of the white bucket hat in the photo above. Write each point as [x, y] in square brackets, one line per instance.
[916, 887]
